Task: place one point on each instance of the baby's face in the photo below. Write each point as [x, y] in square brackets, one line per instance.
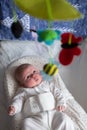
[30, 77]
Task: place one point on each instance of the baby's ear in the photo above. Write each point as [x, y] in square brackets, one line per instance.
[19, 83]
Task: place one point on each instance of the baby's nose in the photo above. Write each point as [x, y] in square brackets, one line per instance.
[33, 76]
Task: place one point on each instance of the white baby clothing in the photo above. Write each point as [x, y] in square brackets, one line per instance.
[39, 104]
[50, 120]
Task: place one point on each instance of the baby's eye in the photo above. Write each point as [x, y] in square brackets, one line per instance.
[34, 71]
[28, 77]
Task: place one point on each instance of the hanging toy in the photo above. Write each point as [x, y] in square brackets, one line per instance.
[49, 9]
[50, 69]
[69, 48]
[16, 26]
[48, 36]
[45, 74]
[16, 29]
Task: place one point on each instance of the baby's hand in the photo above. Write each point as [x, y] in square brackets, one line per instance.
[61, 108]
[11, 110]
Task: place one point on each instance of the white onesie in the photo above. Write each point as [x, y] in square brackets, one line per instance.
[42, 115]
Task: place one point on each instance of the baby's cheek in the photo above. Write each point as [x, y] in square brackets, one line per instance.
[39, 77]
[31, 83]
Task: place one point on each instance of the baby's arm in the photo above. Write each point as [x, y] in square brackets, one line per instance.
[59, 97]
[17, 103]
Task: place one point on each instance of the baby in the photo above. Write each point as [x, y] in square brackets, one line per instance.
[32, 84]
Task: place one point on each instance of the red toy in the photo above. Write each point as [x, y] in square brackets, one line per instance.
[70, 48]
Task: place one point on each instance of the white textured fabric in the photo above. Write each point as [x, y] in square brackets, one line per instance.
[74, 110]
[50, 120]
[13, 50]
[39, 103]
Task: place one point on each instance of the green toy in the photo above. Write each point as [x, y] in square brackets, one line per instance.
[51, 10]
[48, 36]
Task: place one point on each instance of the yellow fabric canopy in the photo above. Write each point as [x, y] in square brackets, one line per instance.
[49, 9]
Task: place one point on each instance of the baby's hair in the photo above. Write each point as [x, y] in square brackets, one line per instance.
[19, 70]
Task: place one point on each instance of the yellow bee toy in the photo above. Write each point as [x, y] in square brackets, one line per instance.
[50, 69]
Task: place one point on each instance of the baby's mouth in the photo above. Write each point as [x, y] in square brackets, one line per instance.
[36, 79]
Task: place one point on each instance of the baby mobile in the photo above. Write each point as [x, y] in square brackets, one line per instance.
[54, 10]
[16, 26]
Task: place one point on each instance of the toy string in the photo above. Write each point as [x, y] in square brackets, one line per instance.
[36, 24]
[49, 9]
[14, 12]
[14, 15]
[49, 24]
[70, 36]
[70, 39]
[50, 54]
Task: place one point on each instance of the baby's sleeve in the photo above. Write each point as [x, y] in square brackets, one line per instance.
[58, 95]
[18, 100]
